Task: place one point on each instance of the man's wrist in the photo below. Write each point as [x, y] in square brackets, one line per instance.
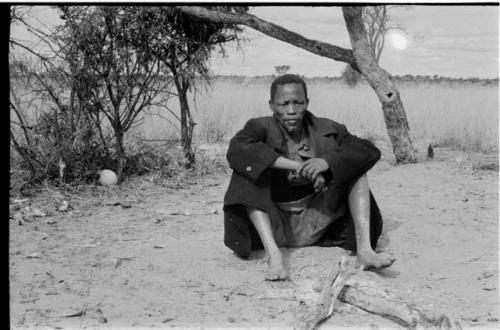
[297, 166]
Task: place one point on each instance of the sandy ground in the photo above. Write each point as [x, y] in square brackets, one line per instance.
[161, 263]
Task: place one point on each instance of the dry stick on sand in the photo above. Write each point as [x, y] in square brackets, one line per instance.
[395, 311]
[328, 296]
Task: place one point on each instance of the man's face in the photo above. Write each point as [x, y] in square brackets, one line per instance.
[289, 105]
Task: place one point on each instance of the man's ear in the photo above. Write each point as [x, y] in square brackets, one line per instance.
[271, 105]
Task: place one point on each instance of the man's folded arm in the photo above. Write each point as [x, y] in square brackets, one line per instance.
[249, 155]
[354, 157]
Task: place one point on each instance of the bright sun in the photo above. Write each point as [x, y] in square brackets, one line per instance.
[398, 40]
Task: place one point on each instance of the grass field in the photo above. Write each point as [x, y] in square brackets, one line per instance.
[463, 117]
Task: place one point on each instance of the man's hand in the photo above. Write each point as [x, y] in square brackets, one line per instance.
[311, 168]
[319, 183]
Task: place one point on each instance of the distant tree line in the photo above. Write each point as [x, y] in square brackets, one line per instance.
[408, 78]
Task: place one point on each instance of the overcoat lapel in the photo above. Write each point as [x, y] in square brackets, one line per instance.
[323, 134]
[275, 138]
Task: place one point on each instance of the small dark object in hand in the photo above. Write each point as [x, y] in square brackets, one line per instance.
[430, 152]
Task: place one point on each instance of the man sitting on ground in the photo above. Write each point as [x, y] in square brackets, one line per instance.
[299, 180]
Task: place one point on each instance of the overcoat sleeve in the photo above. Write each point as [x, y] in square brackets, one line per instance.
[353, 157]
[248, 154]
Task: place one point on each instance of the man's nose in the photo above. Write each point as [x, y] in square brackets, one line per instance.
[291, 108]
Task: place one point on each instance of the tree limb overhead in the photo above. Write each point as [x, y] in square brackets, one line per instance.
[317, 47]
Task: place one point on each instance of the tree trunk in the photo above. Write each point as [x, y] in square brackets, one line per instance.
[187, 124]
[394, 114]
[24, 153]
[120, 154]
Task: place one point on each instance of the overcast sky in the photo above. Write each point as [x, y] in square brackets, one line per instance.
[454, 41]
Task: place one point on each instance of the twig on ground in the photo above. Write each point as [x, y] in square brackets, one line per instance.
[84, 311]
[396, 311]
[29, 300]
[328, 296]
[119, 261]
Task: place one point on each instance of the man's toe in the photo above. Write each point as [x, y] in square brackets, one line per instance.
[271, 277]
[283, 276]
[385, 263]
[279, 276]
[389, 262]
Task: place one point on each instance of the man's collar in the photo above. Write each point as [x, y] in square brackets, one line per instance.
[323, 127]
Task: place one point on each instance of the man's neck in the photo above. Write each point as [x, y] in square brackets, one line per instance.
[296, 136]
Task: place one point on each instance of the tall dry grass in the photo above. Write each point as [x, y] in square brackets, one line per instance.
[463, 117]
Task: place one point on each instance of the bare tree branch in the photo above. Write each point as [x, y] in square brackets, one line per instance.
[317, 47]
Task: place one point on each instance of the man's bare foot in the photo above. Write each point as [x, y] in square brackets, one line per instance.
[371, 260]
[276, 270]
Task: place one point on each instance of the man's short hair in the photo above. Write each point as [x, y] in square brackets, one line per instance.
[287, 79]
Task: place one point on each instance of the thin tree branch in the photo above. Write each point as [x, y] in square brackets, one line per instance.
[317, 47]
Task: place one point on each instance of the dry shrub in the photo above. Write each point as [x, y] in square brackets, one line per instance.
[79, 148]
[475, 161]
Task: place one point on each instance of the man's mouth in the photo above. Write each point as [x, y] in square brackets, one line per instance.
[292, 121]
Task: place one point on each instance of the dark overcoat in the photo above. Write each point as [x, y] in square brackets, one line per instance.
[252, 151]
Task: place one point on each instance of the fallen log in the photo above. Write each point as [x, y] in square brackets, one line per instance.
[396, 311]
[334, 288]
[331, 289]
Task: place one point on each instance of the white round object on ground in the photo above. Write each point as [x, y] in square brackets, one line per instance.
[107, 178]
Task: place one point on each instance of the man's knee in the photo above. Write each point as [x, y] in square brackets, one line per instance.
[360, 183]
[254, 213]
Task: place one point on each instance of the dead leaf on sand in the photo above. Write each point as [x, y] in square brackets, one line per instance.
[34, 212]
[212, 184]
[101, 318]
[123, 204]
[64, 207]
[29, 300]
[79, 313]
[18, 217]
[112, 203]
[186, 213]
[90, 245]
[34, 255]
[119, 261]
[213, 211]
